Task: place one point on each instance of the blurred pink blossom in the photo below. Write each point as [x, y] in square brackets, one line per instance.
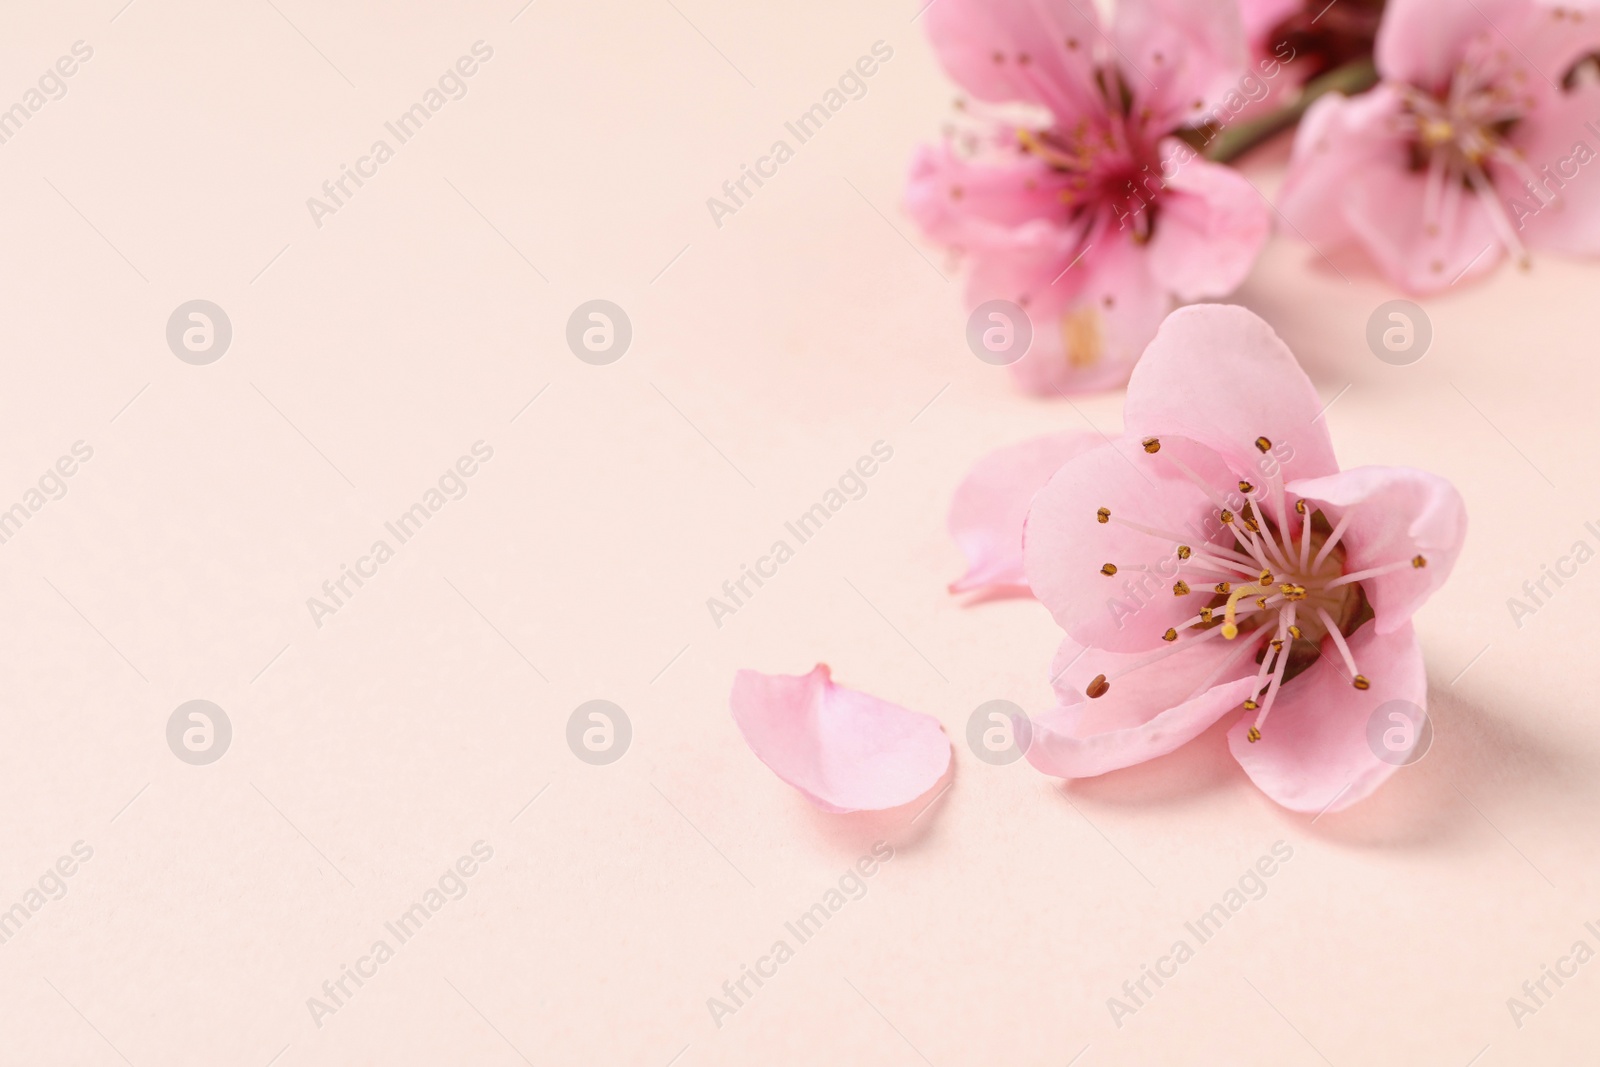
[1081, 206]
[1478, 143]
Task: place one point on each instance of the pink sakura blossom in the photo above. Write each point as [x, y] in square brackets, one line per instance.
[1475, 145]
[1089, 213]
[1215, 558]
[844, 750]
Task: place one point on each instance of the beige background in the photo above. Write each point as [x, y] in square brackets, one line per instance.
[369, 754]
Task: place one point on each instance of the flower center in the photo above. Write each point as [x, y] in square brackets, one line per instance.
[1458, 133]
[1277, 591]
[1110, 163]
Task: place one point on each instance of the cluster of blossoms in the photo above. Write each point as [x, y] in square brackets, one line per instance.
[1214, 560]
[1088, 186]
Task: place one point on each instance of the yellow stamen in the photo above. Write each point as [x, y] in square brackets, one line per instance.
[1436, 132]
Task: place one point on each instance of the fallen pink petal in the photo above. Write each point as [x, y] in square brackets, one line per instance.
[842, 749]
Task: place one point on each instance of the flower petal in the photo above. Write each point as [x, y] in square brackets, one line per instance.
[1422, 41]
[1570, 221]
[843, 750]
[1551, 38]
[1218, 375]
[1093, 320]
[1314, 753]
[1396, 514]
[1387, 213]
[969, 205]
[1065, 546]
[1339, 138]
[1186, 54]
[1261, 17]
[1213, 226]
[990, 505]
[1147, 714]
[1039, 51]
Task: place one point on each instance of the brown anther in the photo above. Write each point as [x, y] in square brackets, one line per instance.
[1299, 507]
[1246, 487]
[1103, 515]
[1224, 588]
[1261, 602]
[1266, 578]
[1227, 517]
[1294, 632]
[1205, 614]
[1263, 445]
[1184, 552]
[1180, 588]
[1277, 644]
[1253, 736]
[1109, 569]
[1250, 705]
[1419, 562]
[1152, 445]
[1251, 524]
[1098, 688]
[1361, 682]
[1170, 635]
